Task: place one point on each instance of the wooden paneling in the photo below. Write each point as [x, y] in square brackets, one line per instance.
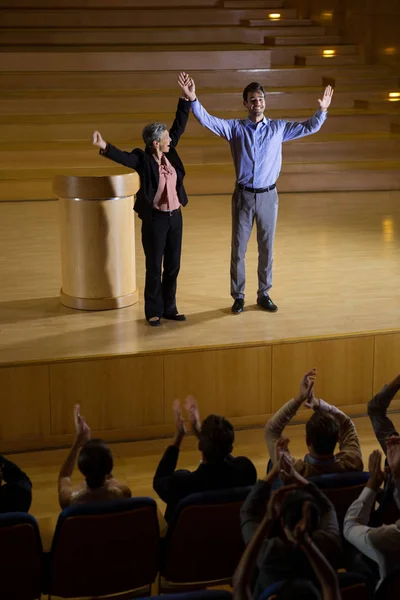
[24, 403]
[344, 370]
[232, 383]
[118, 393]
[387, 359]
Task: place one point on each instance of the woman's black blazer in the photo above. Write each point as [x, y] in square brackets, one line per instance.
[147, 168]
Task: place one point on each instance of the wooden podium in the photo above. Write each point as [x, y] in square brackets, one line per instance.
[97, 241]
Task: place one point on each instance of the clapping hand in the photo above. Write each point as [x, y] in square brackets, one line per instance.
[307, 385]
[376, 475]
[98, 141]
[180, 429]
[326, 100]
[274, 507]
[186, 83]
[288, 473]
[82, 429]
[192, 409]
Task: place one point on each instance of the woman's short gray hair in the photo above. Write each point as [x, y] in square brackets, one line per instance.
[152, 133]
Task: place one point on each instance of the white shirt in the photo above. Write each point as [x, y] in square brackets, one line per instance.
[381, 544]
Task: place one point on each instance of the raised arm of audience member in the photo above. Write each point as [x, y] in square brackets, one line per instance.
[393, 459]
[243, 575]
[15, 488]
[163, 482]
[327, 536]
[377, 412]
[82, 435]
[377, 543]
[326, 575]
[253, 509]
[277, 423]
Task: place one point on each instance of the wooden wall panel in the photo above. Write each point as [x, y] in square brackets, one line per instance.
[24, 403]
[233, 383]
[386, 360]
[344, 370]
[118, 393]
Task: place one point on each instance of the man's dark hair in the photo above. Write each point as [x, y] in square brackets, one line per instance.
[299, 589]
[322, 432]
[216, 438]
[254, 86]
[292, 509]
[95, 462]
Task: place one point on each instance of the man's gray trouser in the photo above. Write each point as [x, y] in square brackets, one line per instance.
[247, 207]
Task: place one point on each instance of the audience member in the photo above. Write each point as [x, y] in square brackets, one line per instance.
[95, 462]
[380, 544]
[294, 588]
[218, 469]
[384, 428]
[326, 427]
[279, 558]
[15, 488]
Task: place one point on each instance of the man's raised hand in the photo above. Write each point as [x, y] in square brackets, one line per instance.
[326, 100]
[187, 85]
[98, 141]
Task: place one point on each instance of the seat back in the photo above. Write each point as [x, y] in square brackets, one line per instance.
[21, 564]
[388, 589]
[105, 548]
[341, 489]
[204, 540]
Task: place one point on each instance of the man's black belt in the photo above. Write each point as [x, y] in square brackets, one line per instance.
[246, 188]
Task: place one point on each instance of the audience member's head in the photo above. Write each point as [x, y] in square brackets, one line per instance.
[216, 438]
[95, 462]
[298, 589]
[322, 433]
[292, 512]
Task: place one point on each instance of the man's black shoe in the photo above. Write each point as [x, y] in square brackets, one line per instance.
[266, 303]
[237, 306]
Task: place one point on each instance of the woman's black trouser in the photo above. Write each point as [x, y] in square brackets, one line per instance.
[162, 244]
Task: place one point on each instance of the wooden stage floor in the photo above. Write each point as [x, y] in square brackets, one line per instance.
[337, 272]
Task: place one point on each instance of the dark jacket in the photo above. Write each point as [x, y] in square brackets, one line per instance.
[147, 168]
[173, 485]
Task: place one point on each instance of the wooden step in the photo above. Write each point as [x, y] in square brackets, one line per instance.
[219, 179]
[68, 83]
[128, 80]
[284, 21]
[288, 30]
[145, 103]
[134, 61]
[162, 17]
[253, 4]
[17, 39]
[326, 41]
[286, 55]
[128, 128]
[105, 4]
[339, 60]
[214, 151]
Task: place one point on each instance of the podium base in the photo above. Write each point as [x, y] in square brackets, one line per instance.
[99, 303]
